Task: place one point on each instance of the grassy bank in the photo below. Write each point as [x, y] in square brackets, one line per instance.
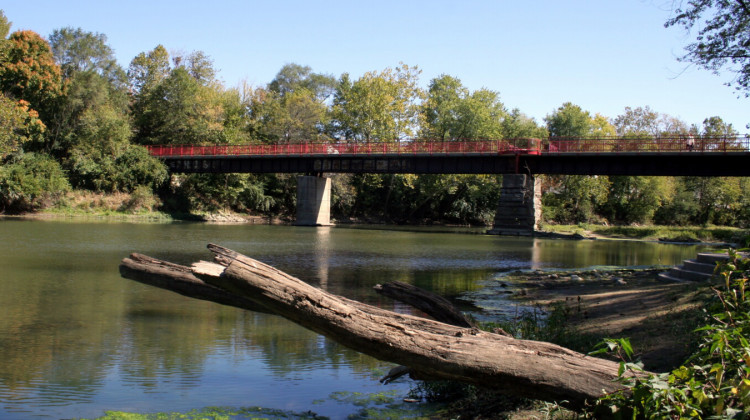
[721, 234]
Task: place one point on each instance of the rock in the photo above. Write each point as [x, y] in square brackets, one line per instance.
[620, 281]
[553, 276]
[575, 277]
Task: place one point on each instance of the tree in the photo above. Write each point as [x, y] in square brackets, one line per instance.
[716, 127]
[5, 26]
[93, 79]
[440, 110]
[480, 115]
[378, 106]
[722, 40]
[569, 120]
[637, 121]
[31, 182]
[430, 349]
[147, 70]
[77, 51]
[517, 124]
[635, 199]
[179, 110]
[574, 198]
[18, 124]
[293, 76]
[28, 71]
[452, 112]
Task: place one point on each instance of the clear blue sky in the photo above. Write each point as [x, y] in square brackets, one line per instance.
[601, 55]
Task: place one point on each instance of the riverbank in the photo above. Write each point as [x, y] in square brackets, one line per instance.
[578, 309]
[98, 208]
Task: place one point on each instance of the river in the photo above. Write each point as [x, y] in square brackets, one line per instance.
[76, 339]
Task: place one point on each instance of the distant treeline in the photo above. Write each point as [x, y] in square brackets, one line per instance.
[72, 119]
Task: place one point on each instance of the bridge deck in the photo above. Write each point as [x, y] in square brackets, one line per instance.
[714, 156]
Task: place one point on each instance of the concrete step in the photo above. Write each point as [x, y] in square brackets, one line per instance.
[710, 258]
[666, 277]
[688, 275]
[695, 265]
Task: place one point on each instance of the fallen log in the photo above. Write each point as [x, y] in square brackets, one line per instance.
[438, 307]
[433, 349]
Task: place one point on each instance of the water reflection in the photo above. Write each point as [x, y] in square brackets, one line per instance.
[76, 338]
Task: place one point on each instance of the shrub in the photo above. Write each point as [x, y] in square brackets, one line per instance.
[715, 381]
[32, 182]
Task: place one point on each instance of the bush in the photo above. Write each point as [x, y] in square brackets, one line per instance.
[142, 198]
[715, 382]
[34, 181]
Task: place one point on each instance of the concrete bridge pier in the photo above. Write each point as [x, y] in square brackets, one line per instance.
[520, 206]
[313, 201]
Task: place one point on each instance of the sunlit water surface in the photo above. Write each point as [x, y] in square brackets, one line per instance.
[77, 339]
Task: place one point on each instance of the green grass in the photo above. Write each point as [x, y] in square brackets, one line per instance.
[653, 232]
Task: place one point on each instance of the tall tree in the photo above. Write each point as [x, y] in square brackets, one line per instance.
[78, 51]
[5, 25]
[716, 127]
[480, 115]
[29, 72]
[183, 104]
[637, 121]
[18, 125]
[378, 106]
[293, 76]
[440, 109]
[517, 124]
[147, 70]
[452, 112]
[723, 37]
[569, 120]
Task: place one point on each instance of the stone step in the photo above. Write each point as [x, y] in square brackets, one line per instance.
[666, 277]
[688, 275]
[695, 265]
[711, 258]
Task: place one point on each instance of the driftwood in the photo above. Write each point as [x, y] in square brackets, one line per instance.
[430, 349]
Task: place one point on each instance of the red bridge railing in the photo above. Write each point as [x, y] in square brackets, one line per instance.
[520, 146]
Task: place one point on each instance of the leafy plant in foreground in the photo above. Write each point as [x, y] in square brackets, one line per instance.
[715, 381]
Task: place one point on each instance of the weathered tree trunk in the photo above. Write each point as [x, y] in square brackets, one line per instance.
[430, 348]
[438, 307]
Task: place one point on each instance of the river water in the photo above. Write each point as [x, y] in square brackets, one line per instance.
[77, 339]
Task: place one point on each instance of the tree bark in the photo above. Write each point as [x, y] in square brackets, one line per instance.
[438, 307]
[432, 349]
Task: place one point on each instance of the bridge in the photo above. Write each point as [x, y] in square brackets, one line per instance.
[519, 159]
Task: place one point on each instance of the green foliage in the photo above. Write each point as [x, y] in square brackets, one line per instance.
[77, 51]
[18, 125]
[407, 198]
[293, 77]
[179, 110]
[141, 199]
[569, 120]
[635, 199]
[214, 192]
[451, 112]
[378, 106]
[30, 183]
[28, 72]
[722, 37]
[574, 198]
[715, 381]
[5, 25]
